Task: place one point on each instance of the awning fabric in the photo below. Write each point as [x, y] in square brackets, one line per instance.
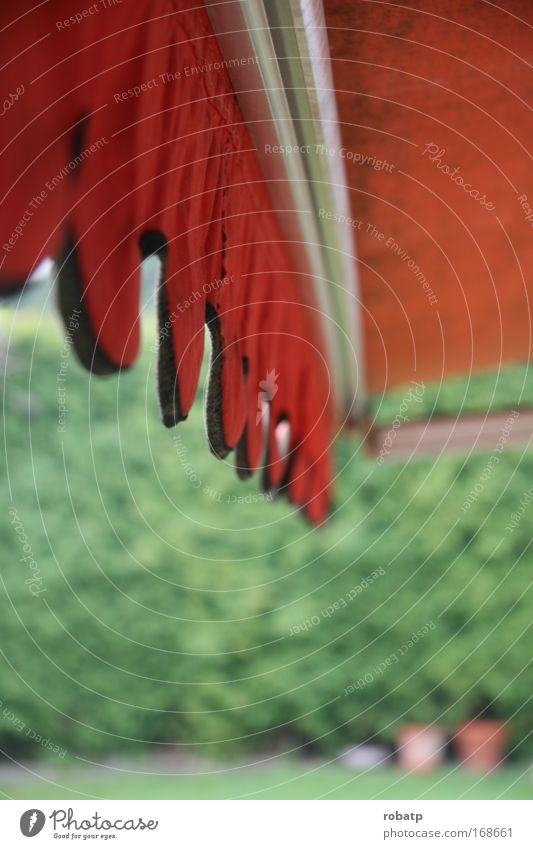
[435, 103]
[121, 135]
[122, 132]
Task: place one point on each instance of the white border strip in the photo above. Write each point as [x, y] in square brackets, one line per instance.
[246, 823]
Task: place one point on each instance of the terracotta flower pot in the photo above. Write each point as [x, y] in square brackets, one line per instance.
[420, 747]
[480, 744]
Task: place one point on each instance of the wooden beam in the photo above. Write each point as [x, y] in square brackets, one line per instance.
[485, 432]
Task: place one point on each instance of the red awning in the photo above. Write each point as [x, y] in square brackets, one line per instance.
[123, 136]
[435, 104]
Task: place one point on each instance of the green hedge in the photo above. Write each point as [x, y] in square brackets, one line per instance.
[170, 614]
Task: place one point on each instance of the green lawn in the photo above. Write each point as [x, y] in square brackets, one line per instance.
[312, 781]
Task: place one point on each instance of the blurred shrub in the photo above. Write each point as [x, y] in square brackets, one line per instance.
[172, 615]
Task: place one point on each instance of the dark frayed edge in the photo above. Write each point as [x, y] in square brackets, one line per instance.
[78, 142]
[264, 479]
[284, 490]
[242, 461]
[214, 416]
[11, 288]
[154, 243]
[71, 303]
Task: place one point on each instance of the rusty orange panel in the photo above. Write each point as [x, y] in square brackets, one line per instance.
[435, 106]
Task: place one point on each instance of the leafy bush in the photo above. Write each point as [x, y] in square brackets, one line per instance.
[169, 614]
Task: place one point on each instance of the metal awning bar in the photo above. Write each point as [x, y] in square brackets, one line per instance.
[287, 97]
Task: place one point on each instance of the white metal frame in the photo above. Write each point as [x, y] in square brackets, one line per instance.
[287, 97]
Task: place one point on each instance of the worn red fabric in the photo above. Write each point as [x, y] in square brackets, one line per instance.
[434, 100]
[122, 136]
